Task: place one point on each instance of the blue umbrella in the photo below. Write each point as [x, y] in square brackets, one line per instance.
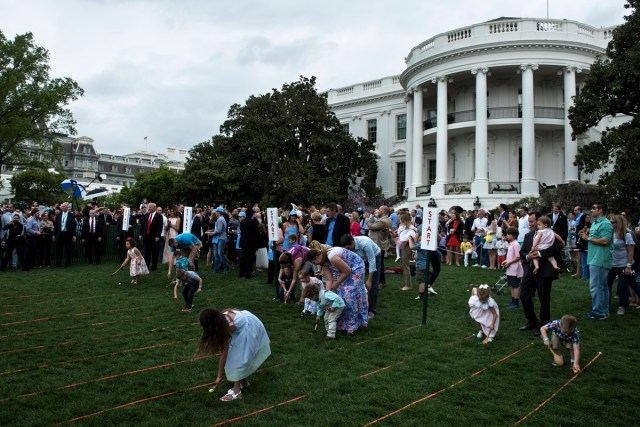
[74, 189]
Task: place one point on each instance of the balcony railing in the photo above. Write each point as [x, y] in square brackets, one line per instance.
[424, 190]
[504, 187]
[458, 188]
[497, 113]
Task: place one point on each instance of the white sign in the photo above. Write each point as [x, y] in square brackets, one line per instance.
[272, 223]
[429, 239]
[125, 219]
[186, 220]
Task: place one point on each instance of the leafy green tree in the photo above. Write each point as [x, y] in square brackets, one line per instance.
[612, 88]
[33, 106]
[280, 147]
[159, 186]
[38, 184]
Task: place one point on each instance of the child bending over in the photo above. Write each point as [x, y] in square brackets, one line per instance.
[334, 306]
[310, 292]
[563, 334]
[484, 310]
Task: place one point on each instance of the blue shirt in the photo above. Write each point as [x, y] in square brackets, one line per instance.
[572, 337]
[394, 220]
[330, 227]
[32, 226]
[185, 241]
[367, 250]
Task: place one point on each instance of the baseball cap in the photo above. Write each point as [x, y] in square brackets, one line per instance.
[242, 214]
[219, 209]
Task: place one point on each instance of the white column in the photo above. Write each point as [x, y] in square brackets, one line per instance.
[418, 134]
[438, 188]
[408, 148]
[480, 184]
[570, 146]
[529, 182]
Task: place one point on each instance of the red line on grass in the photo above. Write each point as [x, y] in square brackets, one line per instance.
[14, 371]
[42, 319]
[381, 369]
[259, 411]
[565, 385]
[388, 335]
[109, 377]
[422, 399]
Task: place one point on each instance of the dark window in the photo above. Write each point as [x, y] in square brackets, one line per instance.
[372, 130]
[401, 176]
[401, 126]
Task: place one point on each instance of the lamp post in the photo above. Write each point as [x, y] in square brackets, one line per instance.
[476, 203]
[432, 203]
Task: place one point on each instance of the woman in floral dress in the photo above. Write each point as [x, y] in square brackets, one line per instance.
[344, 273]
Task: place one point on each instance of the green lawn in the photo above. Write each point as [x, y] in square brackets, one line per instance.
[79, 347]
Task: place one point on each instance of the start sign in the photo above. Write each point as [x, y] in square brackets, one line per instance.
[430, 224]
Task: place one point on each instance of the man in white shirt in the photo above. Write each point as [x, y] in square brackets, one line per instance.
[523, 224]
[478, 228]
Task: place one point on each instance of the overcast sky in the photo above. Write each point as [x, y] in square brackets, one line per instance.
[169, 70]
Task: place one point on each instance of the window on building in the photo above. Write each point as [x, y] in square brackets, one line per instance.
[345, 127]
[401, 177]
[372, 130]
[401, 126]
[519, 164]
[520, 103]
[432, 171]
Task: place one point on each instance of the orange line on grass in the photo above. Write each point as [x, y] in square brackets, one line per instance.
[422, 399]
[565, 385]
[388, 335]
[259, 411]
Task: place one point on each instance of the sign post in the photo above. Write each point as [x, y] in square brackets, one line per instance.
[429, 241]
[125, 219]
[186, 220]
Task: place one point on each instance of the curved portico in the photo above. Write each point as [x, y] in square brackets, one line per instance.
[527, 69]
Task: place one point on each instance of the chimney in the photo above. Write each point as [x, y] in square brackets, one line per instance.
[182, 154]
[171, 153]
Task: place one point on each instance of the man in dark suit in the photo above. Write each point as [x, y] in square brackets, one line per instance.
[249, 235]
[541, 282]
[559, 222]
[337, 225]
[64, 234]
[152, 224]
[92, 229]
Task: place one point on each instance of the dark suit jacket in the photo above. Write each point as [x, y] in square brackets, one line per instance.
[132, 225]
[249, 234]
[341, 228]
[561, 227]
[546, 270]
[70, 225]
[99, 227]
[196, 227]
[156, 226]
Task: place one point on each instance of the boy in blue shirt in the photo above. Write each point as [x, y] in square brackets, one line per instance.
[563, 334]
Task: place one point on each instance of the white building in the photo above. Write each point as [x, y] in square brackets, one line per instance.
[437, 139]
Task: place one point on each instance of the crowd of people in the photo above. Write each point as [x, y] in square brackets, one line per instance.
[335, 260]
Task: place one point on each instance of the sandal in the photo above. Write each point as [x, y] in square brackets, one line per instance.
[231, 395]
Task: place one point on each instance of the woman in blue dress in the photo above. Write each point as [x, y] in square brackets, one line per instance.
[241, 339]
[344, 273]
[291, 228]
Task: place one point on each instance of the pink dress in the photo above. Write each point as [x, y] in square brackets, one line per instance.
[480, 313]
[171, 233]
[138, 266]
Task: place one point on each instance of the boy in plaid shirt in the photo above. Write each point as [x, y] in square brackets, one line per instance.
[563, 334]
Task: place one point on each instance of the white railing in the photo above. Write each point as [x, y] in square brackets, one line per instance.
[426, 46]
[503, 27]
[372, 85]
[345, 91]
[549, 26]
[459, 35]
[585, 31]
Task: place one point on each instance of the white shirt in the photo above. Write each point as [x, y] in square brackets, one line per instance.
[479, 224]
[523, 227]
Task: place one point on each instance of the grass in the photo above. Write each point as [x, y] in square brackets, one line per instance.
[76, 343]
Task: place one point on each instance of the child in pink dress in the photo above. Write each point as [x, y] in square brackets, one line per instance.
[513, 266]
[544, 240]
[484, 310]
[138, 265]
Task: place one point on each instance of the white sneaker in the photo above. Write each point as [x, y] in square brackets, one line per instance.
[475, 265]
[397, 259]
[484, 266]
[621, 310]
[432, 291]
[479, 335]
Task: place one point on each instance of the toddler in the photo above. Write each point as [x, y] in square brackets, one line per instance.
[484, 310]
[502, 245]
[513, 266]
[138, 265]
[334, 306]
[192, 284]
[563, 334]
[466, 247]
[285, 282]
[543, 240]
[310, 292]
[182, 262]
[405, 230]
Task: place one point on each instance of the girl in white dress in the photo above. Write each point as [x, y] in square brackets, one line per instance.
[138, 265]
[484, 310]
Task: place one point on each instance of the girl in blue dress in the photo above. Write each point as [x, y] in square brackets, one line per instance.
[344, 273]
[241, 339]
